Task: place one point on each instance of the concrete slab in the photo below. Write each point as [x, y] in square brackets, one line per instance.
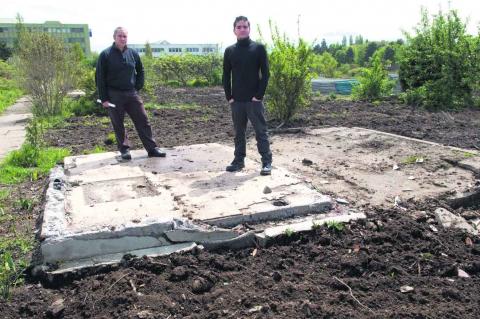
[368, 167]
[99, 205]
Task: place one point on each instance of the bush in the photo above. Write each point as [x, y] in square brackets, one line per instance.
[325, 65]
[374, 82]
[440, 63]
[48, 70]
[290, 76]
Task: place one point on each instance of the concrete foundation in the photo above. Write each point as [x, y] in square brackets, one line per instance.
[98, 205]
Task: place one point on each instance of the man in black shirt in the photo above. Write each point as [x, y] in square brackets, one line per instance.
[119, 77]
[245, 79]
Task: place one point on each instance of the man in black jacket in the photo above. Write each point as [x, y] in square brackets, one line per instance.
[119, 77]
[245, 79]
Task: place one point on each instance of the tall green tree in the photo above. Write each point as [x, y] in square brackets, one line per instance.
[440, 65]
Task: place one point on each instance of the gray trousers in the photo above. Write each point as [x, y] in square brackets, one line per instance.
[255, 112]
[129, 102]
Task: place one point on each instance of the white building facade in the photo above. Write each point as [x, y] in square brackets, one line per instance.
[164, 47]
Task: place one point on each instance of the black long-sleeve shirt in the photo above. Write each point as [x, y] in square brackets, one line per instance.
[118, 70]
[242, 62]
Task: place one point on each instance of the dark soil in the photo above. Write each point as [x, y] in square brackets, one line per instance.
[353, 273]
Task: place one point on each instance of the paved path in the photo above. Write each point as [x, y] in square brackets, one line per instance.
[12, 126]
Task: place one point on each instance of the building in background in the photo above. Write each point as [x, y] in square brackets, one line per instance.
[70, 33]
[164, 47]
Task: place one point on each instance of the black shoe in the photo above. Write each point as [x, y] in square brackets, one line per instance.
[266, 169]
[125, 155]
[235, 167]
[157, 152]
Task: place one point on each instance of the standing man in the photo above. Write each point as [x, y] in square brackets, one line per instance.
[245, 79]
[119, 76]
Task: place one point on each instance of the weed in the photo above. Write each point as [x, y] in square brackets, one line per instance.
[412, 159]
[171, 106]
[289, 232]
[335, 226]
[97, 149]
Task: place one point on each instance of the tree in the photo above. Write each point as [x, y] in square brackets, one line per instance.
[48, 69]
[5, 52]
[344, 41]
[389, 54]
[370, 50]
[341, 56]
[350, 40]
[290, 81]
[440, 64]
[358, 39]
[325, 65]
[349, 56]
[148, 51]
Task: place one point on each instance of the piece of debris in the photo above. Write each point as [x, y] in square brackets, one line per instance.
[411, 178]
[255, 309]
[395, 167]
[267, 190]
[307, 162]
[450, 220]
[405, 289]
[462, 274]
[433, 228]
[342, 201]
[254, 252]
[468, 242]
[419, 160]
[56, 309]
[144, 314]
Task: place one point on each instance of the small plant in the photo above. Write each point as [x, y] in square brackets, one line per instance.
[316, 226]
[468, 154]
[335, 226]
[110, 139]
[426, 256]
[289, 232]
[412, 159]
[24, 204]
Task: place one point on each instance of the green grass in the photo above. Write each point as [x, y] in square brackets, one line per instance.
[412, 159]
[97, 149]
[171, 106]
[8, 97]
[24, 164]
[14, 247]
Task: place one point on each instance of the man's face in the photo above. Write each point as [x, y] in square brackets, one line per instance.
[242, 30]
[121, 38]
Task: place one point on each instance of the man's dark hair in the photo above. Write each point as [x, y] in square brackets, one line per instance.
[240, 18]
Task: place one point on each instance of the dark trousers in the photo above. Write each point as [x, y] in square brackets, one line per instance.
[255, 112]
[129, 102]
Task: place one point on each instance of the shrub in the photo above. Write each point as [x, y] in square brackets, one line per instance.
[48, 70]
[440, 63]
[290, 75]
[374, 82]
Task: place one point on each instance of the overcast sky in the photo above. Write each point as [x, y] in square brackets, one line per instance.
[210, 21]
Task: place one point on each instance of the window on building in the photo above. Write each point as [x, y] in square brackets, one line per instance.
[207, 49]
[157, 49]
[174, 49]
[76, 30]
[192, 50]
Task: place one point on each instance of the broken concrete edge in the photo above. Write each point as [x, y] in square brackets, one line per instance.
[246, 240]
[116, 258]
[160, 234]
[54, 199]
[309, 224]
[282, 213]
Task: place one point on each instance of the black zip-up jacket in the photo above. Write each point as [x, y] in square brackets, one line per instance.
[118, 70]
[242, 62]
